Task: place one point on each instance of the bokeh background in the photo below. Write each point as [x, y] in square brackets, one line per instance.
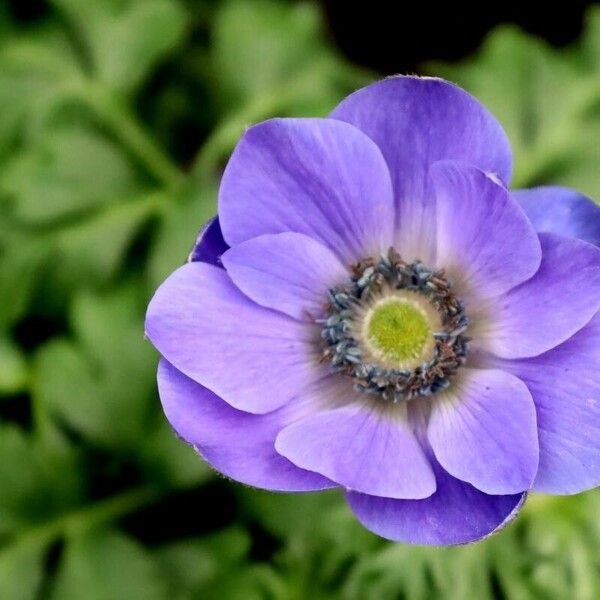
[116, 117]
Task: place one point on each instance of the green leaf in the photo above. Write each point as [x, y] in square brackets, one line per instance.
[178, 229]
[591, 39]
[107, 565]
[91, 251]
[13, 368]
[38, 480]
[194, 565]
[260, 43]
[21, 571]
[126, 39]
[102, 382]
[168, 459]
[20, 499]
[34, 70]
[22, 256]
[66, 171]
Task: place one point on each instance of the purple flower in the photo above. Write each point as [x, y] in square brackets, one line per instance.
[374, 310]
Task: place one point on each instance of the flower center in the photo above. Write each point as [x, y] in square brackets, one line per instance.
[396, 328]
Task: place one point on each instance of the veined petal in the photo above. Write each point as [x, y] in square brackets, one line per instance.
[361, 449]
[290, 272]
[484, 240]
[555, 209]
[483, 431]
[254, 358]
[320, 177]
[565, 385]
[416, 122]
[238, 444]
[549, 308]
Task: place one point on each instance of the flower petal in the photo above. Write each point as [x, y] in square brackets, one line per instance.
[289, 272]
[254, 358]
[565, 385]
[238, 444]
[554, 209]
[319, 177]
[416, 122]
[553, 305]
[456, 514]
[484, 239]
[483, 431]
[361, 449]
[209, 245]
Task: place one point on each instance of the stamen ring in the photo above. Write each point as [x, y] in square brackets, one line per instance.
[346, 346]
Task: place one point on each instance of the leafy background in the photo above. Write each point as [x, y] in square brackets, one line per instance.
[116, 117]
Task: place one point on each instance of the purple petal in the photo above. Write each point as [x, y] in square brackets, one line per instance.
[416, 122]
[483, 431]
[209, 245]
[554, 209]
[456, 514]
[565, 385]
[319, 177]
[361, 449]
[238, 444]
[553, 305]
[484, 240]
[254, 358]
[289, 272]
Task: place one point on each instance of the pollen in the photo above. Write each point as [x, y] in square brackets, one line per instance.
[398, 331]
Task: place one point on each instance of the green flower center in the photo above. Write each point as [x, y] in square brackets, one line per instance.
[398, 330]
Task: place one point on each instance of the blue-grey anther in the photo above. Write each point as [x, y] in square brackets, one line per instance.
[379, 330]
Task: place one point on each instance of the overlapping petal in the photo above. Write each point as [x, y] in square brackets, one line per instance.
[550, 307]
[457, 513]
[362, 449]
[555, 209]
[320, 177]
[238, 444]
[416, 122]
[209, 245]
[485, 242]
[483, 431]
[565, 385]
[290, 272]
[254, 358]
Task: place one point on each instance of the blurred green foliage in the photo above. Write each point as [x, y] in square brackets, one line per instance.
[116, 117]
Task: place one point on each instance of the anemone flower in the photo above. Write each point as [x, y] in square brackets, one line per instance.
[373, 309]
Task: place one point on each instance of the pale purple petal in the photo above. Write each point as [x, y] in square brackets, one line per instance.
[320, 177]
[254, 358]
[238, 444]
[554, 209]
[483, 431]
[485, 242]
[553, 305]
[209, 245]
[362, 449]
[565, 385]
[456, 514]
[289, 272]
[416, 122]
